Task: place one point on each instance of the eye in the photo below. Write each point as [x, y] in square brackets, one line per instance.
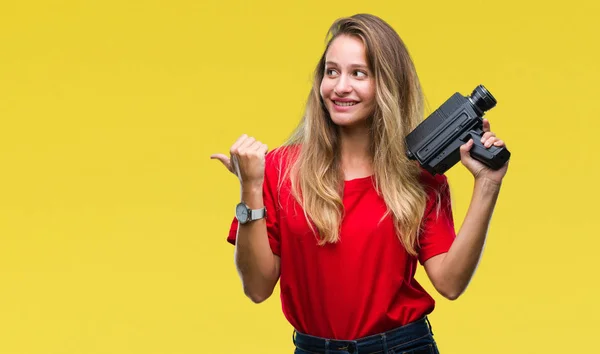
[330, 72]
[360, 74]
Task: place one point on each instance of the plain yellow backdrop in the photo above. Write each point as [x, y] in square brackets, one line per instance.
[113, 218]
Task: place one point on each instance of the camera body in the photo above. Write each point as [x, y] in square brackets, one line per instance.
[435, 142]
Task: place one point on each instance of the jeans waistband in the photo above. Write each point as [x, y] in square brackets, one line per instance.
[381, 342]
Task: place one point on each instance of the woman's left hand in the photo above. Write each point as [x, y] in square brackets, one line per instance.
[478, 169]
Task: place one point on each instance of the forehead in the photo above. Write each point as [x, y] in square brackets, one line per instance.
[346, 49]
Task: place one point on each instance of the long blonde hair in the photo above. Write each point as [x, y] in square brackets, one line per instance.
[315, 172]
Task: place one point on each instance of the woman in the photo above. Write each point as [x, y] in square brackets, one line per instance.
[340, 216]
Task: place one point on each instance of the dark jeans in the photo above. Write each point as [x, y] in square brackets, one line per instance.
[414, 338]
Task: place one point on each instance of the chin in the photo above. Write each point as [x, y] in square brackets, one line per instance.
[348, 120]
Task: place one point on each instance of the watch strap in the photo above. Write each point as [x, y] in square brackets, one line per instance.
[256, 214]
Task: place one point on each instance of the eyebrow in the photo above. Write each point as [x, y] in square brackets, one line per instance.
[360, 66]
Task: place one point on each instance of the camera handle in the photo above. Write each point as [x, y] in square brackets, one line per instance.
[493, 157]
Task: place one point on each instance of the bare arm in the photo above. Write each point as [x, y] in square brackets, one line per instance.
[256, 264]
[451, 272]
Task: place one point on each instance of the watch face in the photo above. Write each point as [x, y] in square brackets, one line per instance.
[241, 212]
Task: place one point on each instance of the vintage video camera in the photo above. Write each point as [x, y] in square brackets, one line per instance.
[435, 142]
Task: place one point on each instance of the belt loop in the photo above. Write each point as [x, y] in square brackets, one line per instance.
[326, 346]
[294, 336]
[385, 347]
[429, 324]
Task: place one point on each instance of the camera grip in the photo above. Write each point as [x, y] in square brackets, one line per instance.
[493, 157]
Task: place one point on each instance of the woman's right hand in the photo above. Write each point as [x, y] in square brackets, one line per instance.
[247, 160]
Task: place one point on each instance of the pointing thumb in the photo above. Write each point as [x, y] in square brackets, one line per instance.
[224, 160]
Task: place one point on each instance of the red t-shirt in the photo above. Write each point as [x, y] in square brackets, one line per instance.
[365, 283]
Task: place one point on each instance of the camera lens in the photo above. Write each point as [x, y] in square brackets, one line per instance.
[482, 98]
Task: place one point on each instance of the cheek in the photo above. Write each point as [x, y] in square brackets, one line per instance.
[370, 93]
[325, 88]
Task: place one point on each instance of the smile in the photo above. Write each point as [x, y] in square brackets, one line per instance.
[344, 104]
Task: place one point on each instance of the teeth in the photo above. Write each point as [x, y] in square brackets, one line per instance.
[338, 103]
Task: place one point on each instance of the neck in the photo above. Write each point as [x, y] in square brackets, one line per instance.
[355, 153]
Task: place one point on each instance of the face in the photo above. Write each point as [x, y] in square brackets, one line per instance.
[348, 87]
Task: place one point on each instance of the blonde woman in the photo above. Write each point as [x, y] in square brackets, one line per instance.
[339, 215]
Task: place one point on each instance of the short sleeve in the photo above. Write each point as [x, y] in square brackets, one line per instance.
[437, 229]
[270, 196]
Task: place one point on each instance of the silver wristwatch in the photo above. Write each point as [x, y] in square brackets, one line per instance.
[245, 215]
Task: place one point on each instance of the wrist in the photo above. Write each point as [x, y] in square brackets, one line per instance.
[252, 186]
[252, 195]
[487, 185]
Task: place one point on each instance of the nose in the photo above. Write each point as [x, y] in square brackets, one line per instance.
[342, 86]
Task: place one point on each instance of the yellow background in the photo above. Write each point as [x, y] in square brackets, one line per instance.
[113, 218]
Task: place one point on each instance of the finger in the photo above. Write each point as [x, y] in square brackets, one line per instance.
[490, 141]
[486, 136]
[255, 146]
[264, 149]
[224, 160]
[466, 147]
[486, 125]
[243, 148]
[499, 142]
[261, 150]
[238, 142]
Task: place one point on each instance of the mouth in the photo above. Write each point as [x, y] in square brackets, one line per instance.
[344, 103]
